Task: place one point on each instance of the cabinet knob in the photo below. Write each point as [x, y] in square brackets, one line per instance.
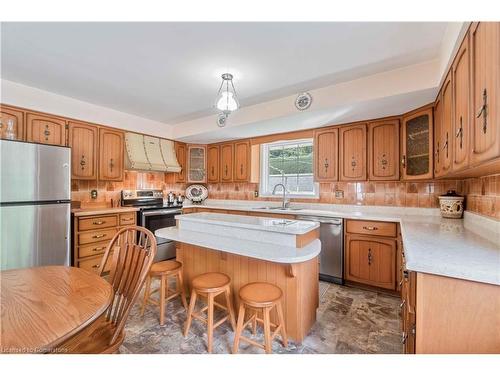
[82, 162]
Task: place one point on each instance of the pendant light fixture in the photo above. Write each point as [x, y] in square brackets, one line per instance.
[226, 100]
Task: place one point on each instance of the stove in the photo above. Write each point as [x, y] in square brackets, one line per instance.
[154, 214]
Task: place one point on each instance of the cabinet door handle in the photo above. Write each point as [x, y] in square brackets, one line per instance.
[437, 151]
[95, 266]
[241, 169]
[370, 228]
[212, 170]
[403, 338]
[96, 249]
[99, 236]
[82, 162]
[402, 304]
[225, 170]
[326, 164]
[401, 282]
[445, 146]
[403, 161]
[353, 163]
[369, 257]
[111, 165]
[460, 132]
[483, 110]
[127, 219]
[99, 222]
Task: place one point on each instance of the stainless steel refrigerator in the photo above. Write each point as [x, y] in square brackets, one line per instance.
[34, 205]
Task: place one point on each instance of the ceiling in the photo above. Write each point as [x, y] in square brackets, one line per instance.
[170, 72]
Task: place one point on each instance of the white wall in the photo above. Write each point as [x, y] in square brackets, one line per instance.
[29, 97]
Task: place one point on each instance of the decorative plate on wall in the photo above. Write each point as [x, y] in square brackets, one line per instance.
[196, 193]
[303, 101]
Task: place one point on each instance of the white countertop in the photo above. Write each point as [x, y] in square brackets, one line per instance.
[265, 224]
[252, 249]
[102, 211]
[467, 249]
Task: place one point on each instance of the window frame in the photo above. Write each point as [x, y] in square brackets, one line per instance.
[264, 170]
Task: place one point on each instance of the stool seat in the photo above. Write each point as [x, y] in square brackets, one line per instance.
[211, 282]
[165, 266]
[260, 294]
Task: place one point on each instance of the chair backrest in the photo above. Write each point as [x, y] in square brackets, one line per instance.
[132, 251]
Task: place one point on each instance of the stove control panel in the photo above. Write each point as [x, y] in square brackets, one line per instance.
[138, 194]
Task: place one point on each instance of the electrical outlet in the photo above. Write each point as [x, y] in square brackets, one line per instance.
[339, 193]
[256, 193]
[93, 194]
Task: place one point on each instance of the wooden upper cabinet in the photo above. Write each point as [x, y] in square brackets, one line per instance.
[181, 153]
[485, 78]
[352, 141]
[83, 140]
[438, 120]
[371, 260]
[461, 111]
[241, 161]
[11, 117]
[45, 129]
[213, 163]
[226, 162]
[446, 131]
[326, 143]
[417, 140]
[197, 164]
[383, 150]
[111, 152]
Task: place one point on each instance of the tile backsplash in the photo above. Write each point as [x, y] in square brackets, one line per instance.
[482, 194]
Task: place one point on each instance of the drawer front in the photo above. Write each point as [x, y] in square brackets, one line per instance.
[372, 228]
[93, 249]
[97, 222]
[128, 218]
[93, 264]
[96, 236]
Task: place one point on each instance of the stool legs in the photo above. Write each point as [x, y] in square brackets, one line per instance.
[163, 291]
[146, 295]
[266, 322]
[210, 309]
[267, 331]
[192, 303]
[239, 327]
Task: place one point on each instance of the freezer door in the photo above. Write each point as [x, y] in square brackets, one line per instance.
[32, 172]
[34, 235]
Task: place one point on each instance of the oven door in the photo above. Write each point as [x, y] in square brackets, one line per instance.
[160, 218]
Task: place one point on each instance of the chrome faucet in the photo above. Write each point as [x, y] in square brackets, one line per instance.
[285, 201]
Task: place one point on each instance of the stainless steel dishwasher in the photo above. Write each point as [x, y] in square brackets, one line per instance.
[331, 267]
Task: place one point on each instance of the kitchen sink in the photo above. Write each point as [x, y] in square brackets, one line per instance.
[283, 222]
[277, 208]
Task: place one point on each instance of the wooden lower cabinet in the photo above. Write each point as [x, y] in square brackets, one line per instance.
[371, 261]
[92, 234]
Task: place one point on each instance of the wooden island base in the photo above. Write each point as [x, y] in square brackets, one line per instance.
[298, 281]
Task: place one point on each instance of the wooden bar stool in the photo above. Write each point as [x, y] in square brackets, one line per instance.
[164, 270]
[260, 297]
[211, 285]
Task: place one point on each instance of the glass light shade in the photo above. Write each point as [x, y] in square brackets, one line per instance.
[227, 102]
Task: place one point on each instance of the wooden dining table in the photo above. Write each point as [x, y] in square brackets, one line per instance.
[42, 307]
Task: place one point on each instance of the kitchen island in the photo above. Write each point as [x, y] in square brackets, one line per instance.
[249, 249]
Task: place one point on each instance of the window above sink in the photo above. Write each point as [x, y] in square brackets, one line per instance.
[289, 163]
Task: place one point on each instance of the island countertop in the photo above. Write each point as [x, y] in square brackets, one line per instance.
[254, 237]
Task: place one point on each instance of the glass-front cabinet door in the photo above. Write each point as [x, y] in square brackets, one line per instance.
[417, 155]
[197, 161]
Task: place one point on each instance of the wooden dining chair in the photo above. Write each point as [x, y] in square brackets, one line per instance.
[131, 253]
